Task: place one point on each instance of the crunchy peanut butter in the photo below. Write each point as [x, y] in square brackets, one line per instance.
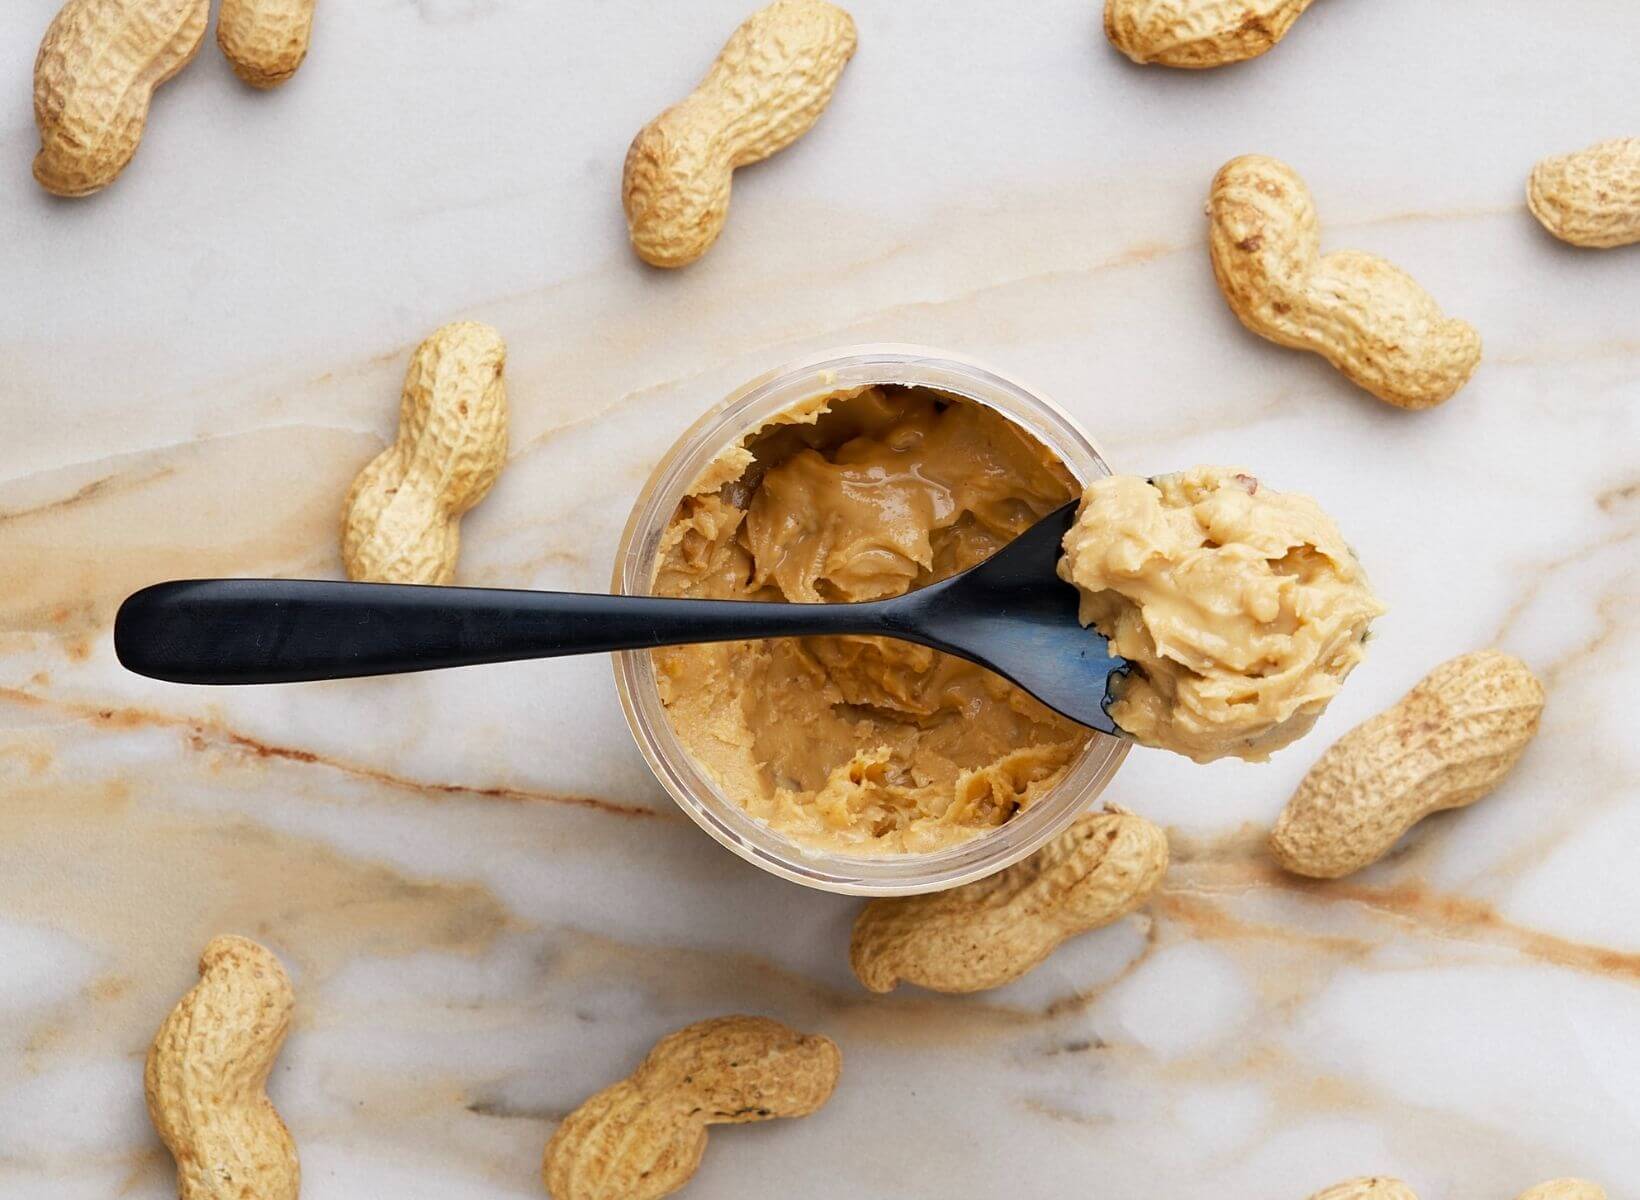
[861, 745]
[1242, 609]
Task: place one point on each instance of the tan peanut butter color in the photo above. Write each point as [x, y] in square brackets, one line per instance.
[861, 745]
[1241, 608]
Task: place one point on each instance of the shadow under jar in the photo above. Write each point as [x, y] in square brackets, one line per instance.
[774, 488]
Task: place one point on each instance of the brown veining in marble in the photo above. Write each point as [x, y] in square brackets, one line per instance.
[71, 557]
[1412, 903]
[147, 887]
[691, 979]
[1615, 608]
[1419, 216]
[1195, 914]
[201, 733]
[101, 488]
[1562, 352]
[1619, 497]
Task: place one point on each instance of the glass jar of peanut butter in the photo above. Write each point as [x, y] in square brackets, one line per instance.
[854, 764]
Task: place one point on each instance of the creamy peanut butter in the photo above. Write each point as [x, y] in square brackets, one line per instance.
[1242, 609]
[861, 745]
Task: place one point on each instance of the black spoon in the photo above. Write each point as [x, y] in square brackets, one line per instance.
[1011, 613]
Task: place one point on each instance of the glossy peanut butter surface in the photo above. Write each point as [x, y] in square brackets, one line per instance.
[861, 745]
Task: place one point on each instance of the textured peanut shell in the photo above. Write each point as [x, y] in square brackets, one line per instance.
[402, 519]
[1564, 1189]
[985, 934]
[643, 1137]
[1445, 744]
[1197, 34]
[1368, 1187]
[769, 85]
[1369, 319]
[206, 1073]
[1590, 198]
[98, 66]
[265, 40]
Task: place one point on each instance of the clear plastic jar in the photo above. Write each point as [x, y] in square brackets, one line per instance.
[635, 561]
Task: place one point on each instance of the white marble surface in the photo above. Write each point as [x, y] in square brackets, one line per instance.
[489, 907]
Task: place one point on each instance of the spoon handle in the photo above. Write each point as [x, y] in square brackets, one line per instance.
[224, 631]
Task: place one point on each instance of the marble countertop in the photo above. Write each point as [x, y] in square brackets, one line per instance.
[490, 908]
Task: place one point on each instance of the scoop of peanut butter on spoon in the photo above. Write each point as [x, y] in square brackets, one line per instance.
[1241, 609]
[1242, 612]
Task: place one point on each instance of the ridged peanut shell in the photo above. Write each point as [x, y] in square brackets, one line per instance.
[1590, 198]
[1564, 1189]
[265, 40]
[206, 1072]
[1197, 34]
[643, 1138]
[98, 66]
[401, 522]
[1368, 1187]
[767, 88]
[1445, 744]
[990, 932]
[1368, 318]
